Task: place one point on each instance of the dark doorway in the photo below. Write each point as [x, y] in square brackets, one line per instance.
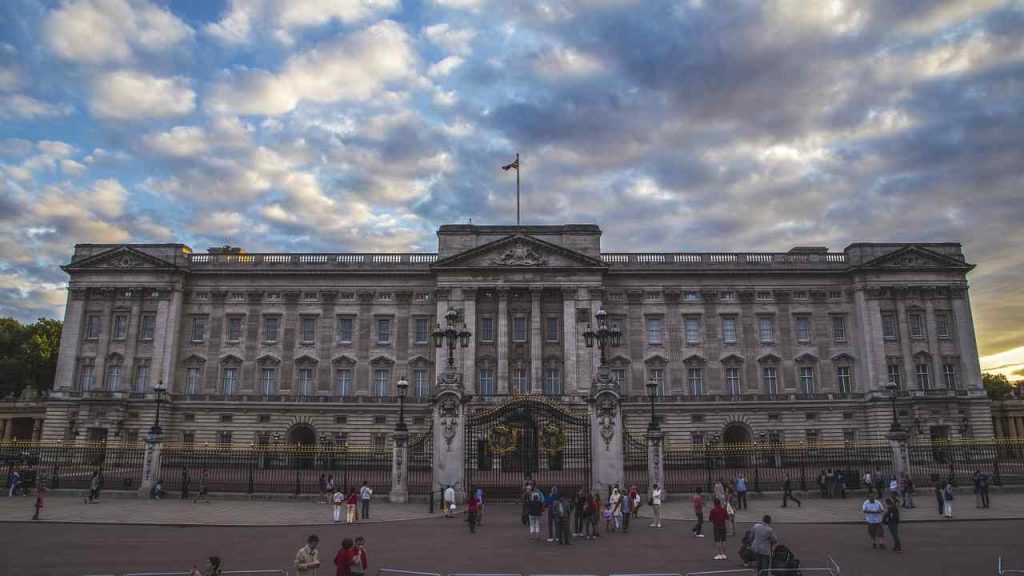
[737, 434]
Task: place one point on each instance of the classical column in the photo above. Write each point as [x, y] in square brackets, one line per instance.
[965, 339]
[536, 340]
[469, 372]
[165, 336]
[443, 299]
[932, 333]
[5, 425]
[399, 468]
[70, 338]
[502, 337]
[906, 351]
[869, 314]
[569, 341]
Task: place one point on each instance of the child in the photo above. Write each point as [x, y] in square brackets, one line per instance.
[338, 498]
[607, 517]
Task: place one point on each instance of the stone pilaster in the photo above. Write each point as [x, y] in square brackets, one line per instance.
[965, 340]
[399, 468]
[536, 340]
[469, 353]
[569, 341]
[502, 336]
[70, 339]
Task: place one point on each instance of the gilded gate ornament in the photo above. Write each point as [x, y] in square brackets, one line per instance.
[502, 439]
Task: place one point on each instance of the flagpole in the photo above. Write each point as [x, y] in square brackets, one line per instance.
[519, 168]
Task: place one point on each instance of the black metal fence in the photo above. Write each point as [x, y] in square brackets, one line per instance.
[421, 462]
[72, 465]
[274, 468]
[634, 460]
[956, 461]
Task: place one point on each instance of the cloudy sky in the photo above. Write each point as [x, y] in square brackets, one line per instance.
[344, 125]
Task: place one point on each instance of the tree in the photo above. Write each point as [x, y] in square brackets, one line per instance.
[997, 386]
[28, 354]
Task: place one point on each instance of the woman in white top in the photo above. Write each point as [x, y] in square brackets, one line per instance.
[656, 506]
[615, 500]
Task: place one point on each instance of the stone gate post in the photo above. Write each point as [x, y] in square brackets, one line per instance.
[655, 460]
[450, 433]
[900, 453]
[150, 464]
[399, 467]
[605, 431]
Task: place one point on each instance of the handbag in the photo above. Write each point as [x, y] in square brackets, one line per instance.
[729, 509]
[650, 501]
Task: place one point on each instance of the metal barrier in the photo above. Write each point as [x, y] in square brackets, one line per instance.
[649, 574]
[225, 573]
[732, 571]
[393, 572]
[1006, 571]
[832, 570]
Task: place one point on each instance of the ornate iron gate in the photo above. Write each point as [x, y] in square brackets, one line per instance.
[523, 437]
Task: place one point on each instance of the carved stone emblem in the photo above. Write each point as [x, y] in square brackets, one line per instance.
[520, 255]
[910, 260]
[607, 410]
[448, 418]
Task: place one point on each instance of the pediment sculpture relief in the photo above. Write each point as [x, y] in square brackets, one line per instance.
[520, 255]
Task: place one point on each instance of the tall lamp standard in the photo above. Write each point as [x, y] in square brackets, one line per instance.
[160, 390]
[893, 392]
[652, 391]
[604, 335]
[451, 336]
[403, 389]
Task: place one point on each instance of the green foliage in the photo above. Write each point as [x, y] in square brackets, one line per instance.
[997, 386]
[28, 354]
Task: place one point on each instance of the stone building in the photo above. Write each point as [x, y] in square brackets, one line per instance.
[307, 347]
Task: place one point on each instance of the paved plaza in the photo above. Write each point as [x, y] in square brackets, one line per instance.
[265, 535]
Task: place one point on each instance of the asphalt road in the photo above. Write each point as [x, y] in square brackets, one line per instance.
[501, 545]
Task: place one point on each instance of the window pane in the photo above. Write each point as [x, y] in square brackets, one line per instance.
[309, 329]
[230, 381]
[942, 322]
[198, 329]
[92, 330]
[654, 330]
[120, 327]
[345, 330]
[421, 383]
[768, 375]
[141, 378]
[343, 381]
[487, 329]
[380, 382]
[270, 329]
[843, 379]
[893, 371]
[422, 330]
[268, 383]
[552, 381]
[732, 381]
[916, 326]
[520, 384]
[148, 326]
[803, 329]
[657, 375]
[729, 330]
[383, 330]
[924, 378]
[696, 379]
[113, 378]
[552, 330]
[888, 326]
[519, 329]
[692, 330]
[192, 381]
[807, 380]
[487, 382]
[766, 329]
[838, 328]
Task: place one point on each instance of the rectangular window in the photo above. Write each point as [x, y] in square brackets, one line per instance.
[270, 329]
[192, 381]
[487, 329]
[766, 329]
[654, 331]
[422, 335]
[552, 381]
[519, 329]
[657, 375]
[268, 381]
[380, 382]
[843, 379]
[113, 378]
[120, 327]
[807, 379]
[306, 381]
[942, 324]
[729, 330]
[849, 436]
[379, 440]
[344, 330]
[893, 371]
[520, 383]
[697, 438]
[343, 381]
[551, 329]
[924, 377]
[835, 295]
[88, 377]
[727, 296]
[188, 437]
[620, 376]
[839, 328]
[732, 381]
[383, 330]
[230, 381]
[92, 327]
[692, 330]
[141, 378]
[198, 329]
[309, 330]
[695, 377]
[803, 329]
[487, 382]
[764, 295]
[813, 436]
[148, 327]
[224, 438]
[949, 375]
[889, 326]
[234, 329]
[420, 383]
[916, 325]
[770, 378]
[800, 296]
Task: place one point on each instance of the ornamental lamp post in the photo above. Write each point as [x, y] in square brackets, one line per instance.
[403, 389]
[893, 393]
[652, 391]
[160, 390]
[451, 336]
[604, 335]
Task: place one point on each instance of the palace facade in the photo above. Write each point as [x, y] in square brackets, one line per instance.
[306, 348]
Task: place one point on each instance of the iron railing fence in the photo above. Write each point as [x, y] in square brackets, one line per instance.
[420, 466]
[634, 461]
[71, 465]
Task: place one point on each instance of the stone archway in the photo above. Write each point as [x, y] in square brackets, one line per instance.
[302, 434]
[737, 433]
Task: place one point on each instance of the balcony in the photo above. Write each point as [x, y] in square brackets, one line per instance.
[731, 398]
[313, 261]
[292, 399]
[726, 260]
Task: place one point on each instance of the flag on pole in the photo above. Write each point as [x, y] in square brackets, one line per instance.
[515, 165]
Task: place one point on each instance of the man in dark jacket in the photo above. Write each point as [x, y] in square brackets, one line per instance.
[787, 492]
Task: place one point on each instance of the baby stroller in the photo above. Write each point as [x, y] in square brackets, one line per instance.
[782, 557]
[746, 554]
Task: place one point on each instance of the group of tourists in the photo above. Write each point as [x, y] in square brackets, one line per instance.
[347, 499]
[580, 514]
[350, 560]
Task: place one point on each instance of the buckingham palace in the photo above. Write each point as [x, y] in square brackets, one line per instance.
[807, 345]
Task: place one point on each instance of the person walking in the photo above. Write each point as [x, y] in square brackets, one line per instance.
[534, 510]
[472, 508]
[360, 561]
[741, 492]
[873, 512]
[552, 517]
[338, 501]
[596, 513]
[656, 506]
[821, 485]
[627, 512]
[40, 493]
[562, 527]
[94, 488]
[840, 483]
[307, 559]
[634, 497]
[479, 493]
[719, 518]
[186, 481]
[698, 511]
[365, 494]
[615, 506]
[868, 482]
[330, 486]
[894, 489]
[730, 507]
[940, 498]
[581, 505]
[343, 559]
[351, 514]
[449, 502]
[980, 489]
[879, 481]
[787, 492]
[907, 484]
[203, 487]
[892, 520]
[947, 500]
[14, 482]
[762, 543]
[719, 490]
[324, 496]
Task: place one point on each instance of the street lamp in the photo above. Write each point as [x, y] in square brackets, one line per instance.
[451, 335]
[652, 391]
[403, 389]
[604, 335]
[160, 390]
[893, 392]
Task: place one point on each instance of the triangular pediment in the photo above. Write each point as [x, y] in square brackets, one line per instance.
[120, 258]
[519, 251]
[915, 258]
